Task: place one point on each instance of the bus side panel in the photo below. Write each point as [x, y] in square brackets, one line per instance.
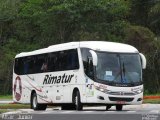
[21, 89]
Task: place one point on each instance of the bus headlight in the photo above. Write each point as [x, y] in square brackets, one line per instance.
[101, 89]
[137, 91]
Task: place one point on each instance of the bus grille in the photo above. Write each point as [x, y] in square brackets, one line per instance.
[120, 99]
[122, 93]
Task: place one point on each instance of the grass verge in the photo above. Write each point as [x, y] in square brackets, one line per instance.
[14, 106]
[152, 101]
[4, 97]
[3, 111]
[155, 94]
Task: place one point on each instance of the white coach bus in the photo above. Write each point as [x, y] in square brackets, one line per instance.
[79, 73]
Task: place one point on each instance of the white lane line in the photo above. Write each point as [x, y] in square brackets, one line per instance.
[47, 112]
[6, 102]
[154, 111]
[66, 112]
[110, 111]
[131, 111]
[88, 111]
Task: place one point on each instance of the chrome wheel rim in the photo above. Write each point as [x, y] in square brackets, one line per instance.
[34, 102]
[76, 100]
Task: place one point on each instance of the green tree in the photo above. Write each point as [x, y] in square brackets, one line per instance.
[154, 18]
[31, 24]
[8, 52]
[144, 40]
[139, 11]
[56, 21]
[8, 13]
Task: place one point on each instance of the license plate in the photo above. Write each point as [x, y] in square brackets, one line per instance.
[120, 102]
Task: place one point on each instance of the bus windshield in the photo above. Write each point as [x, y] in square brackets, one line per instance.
[119, 68]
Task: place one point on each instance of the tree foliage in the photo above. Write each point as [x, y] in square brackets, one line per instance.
[143, 39]
[154, 18]
[26, 25]
[58, 21]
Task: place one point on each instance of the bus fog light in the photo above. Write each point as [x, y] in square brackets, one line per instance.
[100, 97]
[139, 99]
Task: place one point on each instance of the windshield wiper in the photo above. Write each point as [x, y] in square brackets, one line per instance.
[124, 80]
[123, 69]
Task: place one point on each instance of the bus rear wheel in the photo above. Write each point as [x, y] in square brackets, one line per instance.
[35, 105]
[119, 107]
[77, 101]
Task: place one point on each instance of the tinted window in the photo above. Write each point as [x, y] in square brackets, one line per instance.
[63, 60]
[39, 62]
[87, 62]
[49, 62]
[18, 67]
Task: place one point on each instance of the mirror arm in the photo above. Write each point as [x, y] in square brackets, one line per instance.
[143, 58]
[94, 56]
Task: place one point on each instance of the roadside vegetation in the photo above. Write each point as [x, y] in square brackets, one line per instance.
[3, 111]
[14, 106]
[5, 97]
[152, 101]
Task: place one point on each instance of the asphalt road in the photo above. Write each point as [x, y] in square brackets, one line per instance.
[134, 112]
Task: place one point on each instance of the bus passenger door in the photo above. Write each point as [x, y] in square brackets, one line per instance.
[89, 80]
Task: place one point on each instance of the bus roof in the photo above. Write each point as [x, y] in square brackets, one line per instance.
[95, 45]
[109, 46]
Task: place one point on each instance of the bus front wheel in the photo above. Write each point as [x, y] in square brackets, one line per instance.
[77, 101]
[108, 107]
[35, 105]
[119, 107]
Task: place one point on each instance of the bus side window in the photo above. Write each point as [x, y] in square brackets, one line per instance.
[39, 60]
[87, 62]
[26, 66]
[72, 60]
[51, 62]
[39, 63]
[68, 60]
[90, 71]
[30, 61]
[18, 67]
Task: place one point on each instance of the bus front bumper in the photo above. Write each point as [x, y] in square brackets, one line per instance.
[119, 99]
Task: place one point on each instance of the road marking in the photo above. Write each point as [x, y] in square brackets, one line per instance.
[155, 111]
[6, 102]
[47, 112]
[88, 111]
[66, 112]
[131, 111]
[110, 111]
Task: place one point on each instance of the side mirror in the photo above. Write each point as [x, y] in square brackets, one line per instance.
[94, 56]
[143, 58]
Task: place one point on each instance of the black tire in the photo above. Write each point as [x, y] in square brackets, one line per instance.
[108, 107]
[119, 107]
[77, 101]
[35, 105]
